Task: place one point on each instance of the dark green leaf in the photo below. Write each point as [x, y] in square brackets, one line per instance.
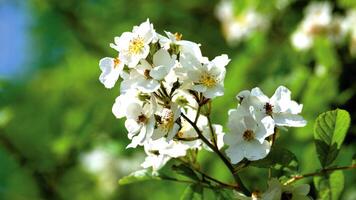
[222, 194]
[279, 159]
[193, 192]
[141, 175]
[329, 133]
[330, 186]
[185, 171]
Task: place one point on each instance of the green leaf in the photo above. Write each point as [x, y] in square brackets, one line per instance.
[222, 194]
[138, 176]
[185, 171]
[279, 159]
[329, 133]
[193, 192]
[330, 186]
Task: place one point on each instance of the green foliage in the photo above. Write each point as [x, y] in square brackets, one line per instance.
[193, 192]
[330, 186]
[329, 132]
[138, 176]
[279, 159]
[185, 171]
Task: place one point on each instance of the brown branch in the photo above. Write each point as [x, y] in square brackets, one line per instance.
[221, 156]
[319, 173]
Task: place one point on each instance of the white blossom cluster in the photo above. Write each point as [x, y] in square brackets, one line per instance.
[163, 77]
[319, 21]
[255, 119]
[239, 27]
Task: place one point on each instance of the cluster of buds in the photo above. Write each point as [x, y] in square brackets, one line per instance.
[164, 78]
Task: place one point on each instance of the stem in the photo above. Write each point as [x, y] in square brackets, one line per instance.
[192, 182]
[221, 156]
[208, 176]
[212, 131]
[319, 173]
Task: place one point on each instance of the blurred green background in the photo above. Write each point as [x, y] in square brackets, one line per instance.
[58, 137]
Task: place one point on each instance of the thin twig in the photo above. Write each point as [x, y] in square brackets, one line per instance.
[212, 132]
[221, 156]
[319, 173]
[208, 176]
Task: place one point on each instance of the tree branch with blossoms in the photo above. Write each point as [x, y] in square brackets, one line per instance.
[165, 95]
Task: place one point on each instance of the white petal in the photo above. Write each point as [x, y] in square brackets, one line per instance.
[290, 120]
[254, 150]
[110, 73]
[133, 111]
[257, 92]
[162, 57]
[148, 85]
[159, 72]
[221, 61]
[235, 153]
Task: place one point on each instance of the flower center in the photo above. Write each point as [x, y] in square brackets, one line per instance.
[136, 45]
[269, 109]
[178, 36]
[146, 73]
[167, 120]
[208, 80]
[142, 119]
[248, 135]
[116, 62]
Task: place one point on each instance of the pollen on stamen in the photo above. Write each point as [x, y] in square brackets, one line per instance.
[136, 45]
[116, 62]
[178, 36]
[248, 135]
[142, 119]
[269, 109]
[208, 80]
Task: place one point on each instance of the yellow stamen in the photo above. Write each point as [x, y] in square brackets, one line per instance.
[208, 80]
[178, 36]
[136, 45]
[116, 62]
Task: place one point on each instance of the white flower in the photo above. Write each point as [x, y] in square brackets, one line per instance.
[166, 124]
[134, 46]
[206, 78]
[301, 40]
[122, 102]
[171, 38]
[147, 77]
[247, 136]
[317, 21]
[277, 191]
[160, 151]
[111, 69]
[280, 107]
[237, 28]
[140, 122]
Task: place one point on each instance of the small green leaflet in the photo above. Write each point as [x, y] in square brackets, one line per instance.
[329, 133]
[193, 192]
[330, 186]
[138, 176]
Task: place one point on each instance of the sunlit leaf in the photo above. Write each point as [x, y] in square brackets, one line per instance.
[193, 192]
[329, 133]
[138, 176]
[330, 186]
